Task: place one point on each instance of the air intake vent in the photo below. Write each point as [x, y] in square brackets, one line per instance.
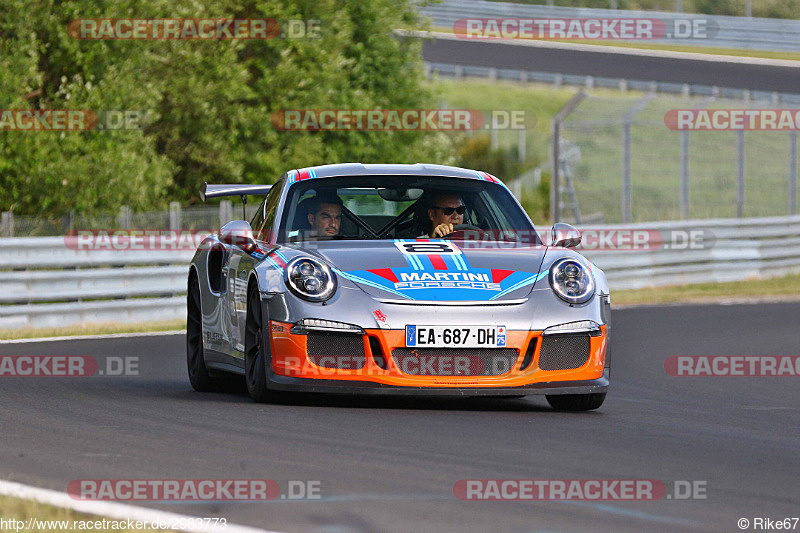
[336, 350]
[564, 352]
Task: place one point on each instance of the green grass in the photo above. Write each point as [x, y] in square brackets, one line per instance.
[787, 287]
[596, 127]
[20, 509]
[92, 329]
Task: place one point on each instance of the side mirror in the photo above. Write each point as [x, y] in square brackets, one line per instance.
[565, 236]
[238, 233]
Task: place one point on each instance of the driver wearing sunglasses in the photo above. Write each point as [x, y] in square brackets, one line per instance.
[446, 212]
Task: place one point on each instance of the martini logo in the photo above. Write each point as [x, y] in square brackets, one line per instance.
[445, 280]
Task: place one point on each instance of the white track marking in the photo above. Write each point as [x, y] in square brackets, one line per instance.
[112, 510]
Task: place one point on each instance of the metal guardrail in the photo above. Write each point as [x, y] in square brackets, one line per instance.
[742, 249]
[43, 283]
[685, 90]
[734, 32]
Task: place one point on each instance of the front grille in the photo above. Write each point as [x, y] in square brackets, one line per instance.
[454, 361]
[336, 350]
[564, 352]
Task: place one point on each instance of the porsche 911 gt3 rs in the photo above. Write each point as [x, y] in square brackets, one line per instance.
[396, 279]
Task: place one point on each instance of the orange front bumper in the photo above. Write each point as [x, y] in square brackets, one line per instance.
[290, 359]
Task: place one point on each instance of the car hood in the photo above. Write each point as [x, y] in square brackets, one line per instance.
[434, 269]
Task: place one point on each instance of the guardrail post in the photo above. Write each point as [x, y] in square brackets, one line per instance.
[686, 90]
[7, 223]
[175, 215]
[792, 172]
[124, 217]
[492, 74]
[522, 145]
[589, 82]
[458, 72]
[494, 142]
[559, 81]
[685, 174]
[523, 77]
[740, 174]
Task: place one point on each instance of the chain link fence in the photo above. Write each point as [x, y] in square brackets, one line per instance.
[619, 162]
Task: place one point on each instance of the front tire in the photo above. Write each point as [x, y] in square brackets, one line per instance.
[576, 402]
[195, 359]
[256, 349]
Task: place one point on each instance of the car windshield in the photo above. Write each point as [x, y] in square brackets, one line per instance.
[403, 207]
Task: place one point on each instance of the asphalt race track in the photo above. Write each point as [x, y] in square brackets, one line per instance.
[612, 65]
[389, 464]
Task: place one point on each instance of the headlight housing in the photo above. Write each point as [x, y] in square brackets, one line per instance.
[571, 281]
[310, 279]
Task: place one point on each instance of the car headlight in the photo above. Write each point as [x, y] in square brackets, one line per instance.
[571, 281]
[310, 279]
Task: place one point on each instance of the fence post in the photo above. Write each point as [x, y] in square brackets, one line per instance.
[626, 173]
[8, 224]
[225, 212]
[685, 174]
[740, 174]
[522, 145]
[494, 141]
[792, 172]
[627, 121]
[175, 215]
[68, 221]
[124, 217]
[555, 131]
[679, 6]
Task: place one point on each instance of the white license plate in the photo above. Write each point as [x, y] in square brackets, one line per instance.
[455, 336]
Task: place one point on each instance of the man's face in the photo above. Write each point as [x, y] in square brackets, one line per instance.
[327, 220]
[437, 215]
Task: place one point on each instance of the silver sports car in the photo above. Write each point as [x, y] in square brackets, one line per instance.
[396, 279]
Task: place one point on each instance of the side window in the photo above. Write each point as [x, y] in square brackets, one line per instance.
[268, 210]
[258, 218]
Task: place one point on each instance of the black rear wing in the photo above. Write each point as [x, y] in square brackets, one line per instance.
[218, 191]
